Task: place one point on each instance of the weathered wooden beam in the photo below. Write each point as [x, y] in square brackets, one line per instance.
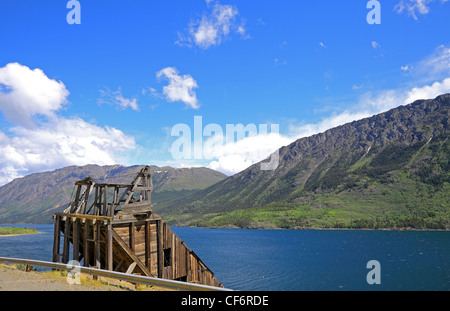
[132, 237]
[66, 242]
[173, 254]
[97, 198]
[76, 240]
[119, 265]
[109, 247]
[56, 239]
[131, 268]
[97, 250]
[86, 244]
[88, 217]
[130, 254]
[105, 202]
[86, 198]
[147, 244]
[77, 199]
[160, 256]
[132, 190]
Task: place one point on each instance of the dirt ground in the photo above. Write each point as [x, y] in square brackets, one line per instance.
[14, 279]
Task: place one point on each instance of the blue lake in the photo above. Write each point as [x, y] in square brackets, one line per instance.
[297, 260]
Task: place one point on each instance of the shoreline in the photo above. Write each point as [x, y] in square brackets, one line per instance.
[12, 230]
[336, 229]
[6, 235]
[269, 228]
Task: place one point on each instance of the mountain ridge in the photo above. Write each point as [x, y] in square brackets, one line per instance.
[35, 197]
[388, 171]
[316, 172]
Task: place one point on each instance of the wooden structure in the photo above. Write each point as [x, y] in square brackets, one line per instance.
[112, 227]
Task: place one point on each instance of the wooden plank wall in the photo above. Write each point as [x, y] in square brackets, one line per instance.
[164, 253]
[141, 238]
[152, 241]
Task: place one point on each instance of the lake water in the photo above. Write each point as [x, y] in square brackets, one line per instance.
[297, 260]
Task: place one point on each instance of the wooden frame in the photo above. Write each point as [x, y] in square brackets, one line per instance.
[112, 227]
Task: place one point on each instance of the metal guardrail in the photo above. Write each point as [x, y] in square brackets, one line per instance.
[171, 284]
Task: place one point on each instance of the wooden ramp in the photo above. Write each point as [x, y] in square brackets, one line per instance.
[112, 226]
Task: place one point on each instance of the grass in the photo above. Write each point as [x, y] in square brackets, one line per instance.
[14, 231]
[403, 203]
[395, 188]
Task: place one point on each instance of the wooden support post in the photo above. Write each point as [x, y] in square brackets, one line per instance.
[132, 237]
[188, 266]
[56, 239]
[86, 198]
[147, 245]
[109, 247]
[160, 256]
[97, 252]
[86, 244]
[95, 200]
[66, 243]
[105, 202]
[76, 240]
[77, 199]
[115, 201]
[173, 255]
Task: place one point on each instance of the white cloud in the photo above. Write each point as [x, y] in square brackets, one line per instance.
[180, 88]
[116, 98]
[63, 142]
[415, 7]
[435, 65]
[25, 93]
[306, 130]
[235, 156]
[9, 173]
[279, 62]
[59, 143]
[428, 91]
[375, 45]
[49, 142]
[322, 45]
[405, 68]
[231, 164]
[213, 27]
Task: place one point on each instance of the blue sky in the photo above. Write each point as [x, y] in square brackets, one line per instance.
[110, 89]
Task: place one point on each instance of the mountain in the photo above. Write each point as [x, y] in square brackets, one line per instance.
[387, 171]
[36, 197]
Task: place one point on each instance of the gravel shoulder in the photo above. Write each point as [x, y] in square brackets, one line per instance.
[14, 279]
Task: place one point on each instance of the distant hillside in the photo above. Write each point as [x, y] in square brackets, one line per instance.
[387, 171]
[36, 197]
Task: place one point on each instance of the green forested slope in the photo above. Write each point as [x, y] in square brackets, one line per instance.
[387, 171]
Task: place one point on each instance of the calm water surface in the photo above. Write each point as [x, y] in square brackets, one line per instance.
[288, 260]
